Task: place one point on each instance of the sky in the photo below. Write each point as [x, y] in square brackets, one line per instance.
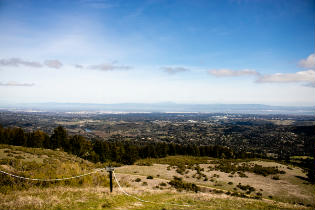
[155, 51]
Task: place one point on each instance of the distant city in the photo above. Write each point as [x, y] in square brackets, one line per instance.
[160, 107]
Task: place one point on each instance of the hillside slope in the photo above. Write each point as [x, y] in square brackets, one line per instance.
[149, 180]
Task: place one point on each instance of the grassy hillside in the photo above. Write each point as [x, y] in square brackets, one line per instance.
[148, 179]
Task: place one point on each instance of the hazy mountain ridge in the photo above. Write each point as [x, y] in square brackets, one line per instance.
[166, 107]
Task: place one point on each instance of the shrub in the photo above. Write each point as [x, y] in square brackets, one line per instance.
[178, 184]
[163, 184]
[217, 191]
[246, 188]
[149, 177]
[242, 175]
[234, 194]
[230, 183]
[265, 171]
[144, 163]
[218, 184]
[138, 180]
[19, 157]
[180, 170]
[230, 166]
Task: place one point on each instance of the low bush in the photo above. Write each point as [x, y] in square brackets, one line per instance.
[232, 166]
[242, 175]
[163, 184]
[180, 185]
[246, 188]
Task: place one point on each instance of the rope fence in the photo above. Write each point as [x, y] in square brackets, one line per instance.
[52, 180]
[86, 174]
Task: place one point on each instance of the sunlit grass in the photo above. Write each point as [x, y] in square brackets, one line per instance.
[92, 192]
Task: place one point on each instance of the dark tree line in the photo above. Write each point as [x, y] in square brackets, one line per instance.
[126, 152]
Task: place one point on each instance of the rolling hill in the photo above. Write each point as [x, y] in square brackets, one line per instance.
[220, 184]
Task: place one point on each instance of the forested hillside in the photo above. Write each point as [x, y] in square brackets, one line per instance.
[126, 152]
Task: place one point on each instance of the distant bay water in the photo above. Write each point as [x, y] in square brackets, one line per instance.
[162, 107]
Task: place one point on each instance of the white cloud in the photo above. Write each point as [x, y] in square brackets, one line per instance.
[18, 62]
[307, 77]
[78, 66]
[98, 4]
[174, 70]
[108, 67]
[16, 84]
[232, 73]
[53, 64]
[309, 62]
[311, 84]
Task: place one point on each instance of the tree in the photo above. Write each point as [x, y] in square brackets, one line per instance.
[130, 155]
[79, 146]
[2, 137]
[59, 138]
[18, 136]
[102, 149]
[172, 149]
[37, 139]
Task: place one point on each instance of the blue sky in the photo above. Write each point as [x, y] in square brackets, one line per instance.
[102, 51]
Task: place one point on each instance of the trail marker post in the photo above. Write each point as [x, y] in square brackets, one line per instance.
[110, 170]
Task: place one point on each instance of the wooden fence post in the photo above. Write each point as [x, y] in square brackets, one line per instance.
[110, 170]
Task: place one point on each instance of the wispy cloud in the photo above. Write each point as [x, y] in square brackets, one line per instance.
[53, 64]
[98, 4]
[16, 84]
[19, 62]
[306, 77]
[78, 66]
[310, 84]
[174, 70]
[232, 73]
[309, 62]
[108, 67]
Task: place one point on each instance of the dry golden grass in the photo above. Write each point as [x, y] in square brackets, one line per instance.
[289, 188]
[49, 198]
[94, 195]
[100, 198]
